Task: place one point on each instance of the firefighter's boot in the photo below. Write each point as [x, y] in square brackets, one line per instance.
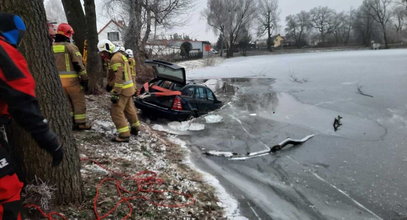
[81, 126]
[135, 130]
[119, 139]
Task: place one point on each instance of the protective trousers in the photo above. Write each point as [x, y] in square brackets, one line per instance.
[10, 185]
[76, 97]
[124, 112]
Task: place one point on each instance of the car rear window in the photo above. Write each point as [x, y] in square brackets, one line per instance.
[167, 72]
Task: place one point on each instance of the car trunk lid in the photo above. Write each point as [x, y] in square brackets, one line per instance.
[168, 71]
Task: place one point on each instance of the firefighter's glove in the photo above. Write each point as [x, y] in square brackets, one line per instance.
[48, 140]
[57, 156]
[109, 88]
[114, 98]
[84, 84]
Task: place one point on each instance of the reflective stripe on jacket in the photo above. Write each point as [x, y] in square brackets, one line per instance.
[120, 75]
[132, 63]
[69, 63]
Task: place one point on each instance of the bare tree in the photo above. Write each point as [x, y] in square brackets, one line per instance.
[343, 27]
[216, 18]
[244, 41]
[94, 63]
[229, 17]
[297, 27]
[399, 16]
[364, 26]
[142, 16]
[33, 161]
[76, 18]
[323, 19]
[379, 11]
[268, 17]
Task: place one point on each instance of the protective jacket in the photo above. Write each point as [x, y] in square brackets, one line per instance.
[71, 72]
[123, 111]
[69, 63]
[17, 100]
[132, 63]
[17, 97]
[120, 75]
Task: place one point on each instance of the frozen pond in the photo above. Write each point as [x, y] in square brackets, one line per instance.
[356, 172]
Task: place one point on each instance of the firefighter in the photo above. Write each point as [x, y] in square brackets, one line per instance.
[72, 73]
[121, 87]
[18, 102]
[132, 63]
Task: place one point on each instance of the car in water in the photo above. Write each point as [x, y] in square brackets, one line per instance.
[169, 95]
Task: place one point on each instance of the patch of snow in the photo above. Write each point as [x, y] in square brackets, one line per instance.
[227, 201]
[220, 153]
[95, 169]
[196, 64]
[213, 119]
[104, 127]
[179, 128]
[214, 84]
[196, 127]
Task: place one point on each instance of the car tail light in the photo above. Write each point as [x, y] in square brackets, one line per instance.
[177, 105]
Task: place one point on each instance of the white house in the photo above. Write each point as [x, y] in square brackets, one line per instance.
[113, 31]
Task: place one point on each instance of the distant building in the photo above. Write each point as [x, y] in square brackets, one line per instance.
[113, 31]
[278, 40]
[167, 47]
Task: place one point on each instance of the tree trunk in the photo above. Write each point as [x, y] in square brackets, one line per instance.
[230, 50]
[269, 38]
[94, 63]
[143, 43]
[34, 162]
[132, 33]
[386, 43]
[76, 18]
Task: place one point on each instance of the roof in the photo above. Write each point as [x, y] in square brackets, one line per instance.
[119, 24]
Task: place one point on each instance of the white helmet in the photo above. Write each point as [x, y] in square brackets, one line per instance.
[106, 45]
[129, 53]
[121, 48]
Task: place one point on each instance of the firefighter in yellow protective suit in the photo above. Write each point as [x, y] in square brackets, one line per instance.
[72, 73]
[132, 63]
[121, 87]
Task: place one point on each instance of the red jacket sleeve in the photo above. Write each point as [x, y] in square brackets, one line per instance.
[17, 90]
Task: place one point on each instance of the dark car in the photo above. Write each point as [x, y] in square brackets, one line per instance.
[169, 96]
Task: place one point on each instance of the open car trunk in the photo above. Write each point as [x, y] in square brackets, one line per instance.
[168, 77]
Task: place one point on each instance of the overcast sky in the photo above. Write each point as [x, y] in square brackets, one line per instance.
[196, 26]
